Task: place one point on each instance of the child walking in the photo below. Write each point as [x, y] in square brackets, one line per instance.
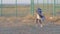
[40, 17]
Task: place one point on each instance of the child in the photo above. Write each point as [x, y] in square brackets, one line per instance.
[40, 17]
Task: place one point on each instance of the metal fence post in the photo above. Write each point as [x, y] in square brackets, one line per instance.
[32, 7]
[16, 8]
[1, 7]
[54, 12]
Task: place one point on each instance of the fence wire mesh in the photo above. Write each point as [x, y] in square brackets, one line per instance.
[18, 8]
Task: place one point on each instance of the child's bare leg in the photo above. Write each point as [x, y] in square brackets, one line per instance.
[40, 23]
[36, 20]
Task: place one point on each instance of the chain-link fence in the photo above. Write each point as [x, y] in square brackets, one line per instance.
[25, 7]
[16, 7]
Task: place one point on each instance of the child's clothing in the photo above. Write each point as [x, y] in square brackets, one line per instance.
[40, 15]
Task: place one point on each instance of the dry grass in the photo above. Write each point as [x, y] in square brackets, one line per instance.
[19, 21]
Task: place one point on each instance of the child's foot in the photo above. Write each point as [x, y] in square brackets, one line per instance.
[41, 25]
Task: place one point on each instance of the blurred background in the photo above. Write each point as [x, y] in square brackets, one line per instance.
[13, 11]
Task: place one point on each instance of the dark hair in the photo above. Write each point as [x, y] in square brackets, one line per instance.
[39, 9]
